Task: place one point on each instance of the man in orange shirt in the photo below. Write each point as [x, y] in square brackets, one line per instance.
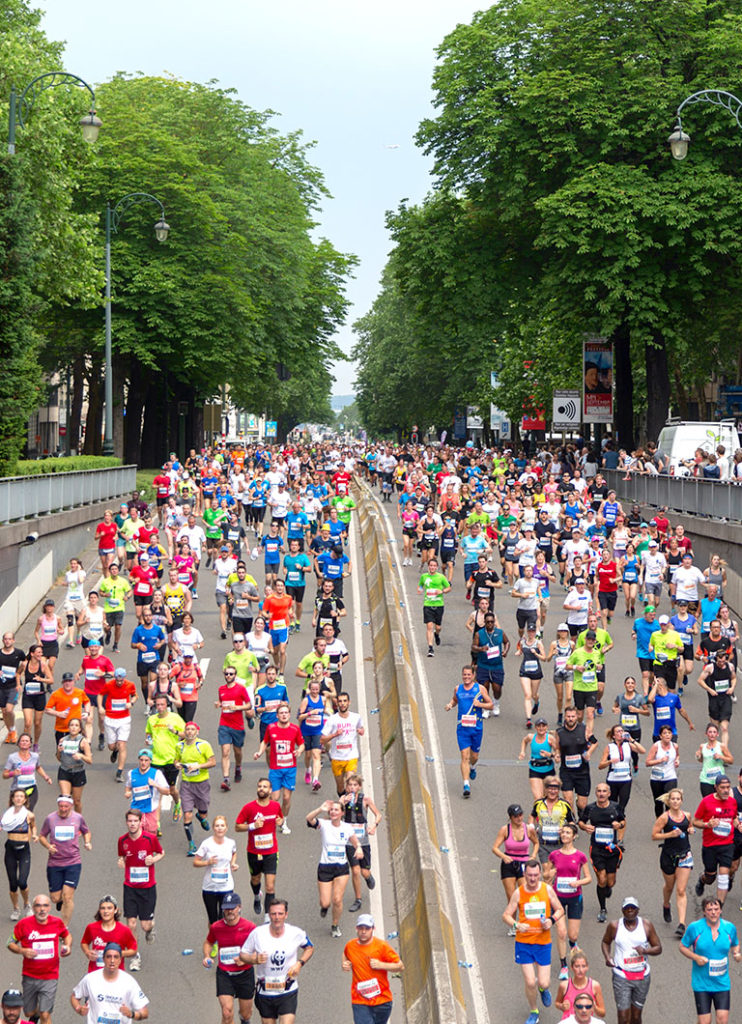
[67, 703]
[370, 959]
[279, 607]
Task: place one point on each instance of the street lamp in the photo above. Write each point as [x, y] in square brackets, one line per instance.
[21, 106]
[113, 220]
[679, 141]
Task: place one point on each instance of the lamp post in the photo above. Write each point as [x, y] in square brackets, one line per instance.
[679, 140]
[21, 105]
[113, 220]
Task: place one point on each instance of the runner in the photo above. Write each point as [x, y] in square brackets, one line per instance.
[433, 585]
[11, 660]
[236, 707]
[568, 873]
[515, 845]
[580, 985]
[586, 663]
[532, 654]
[105, 534]
[279, 951]
[713, 756]
[279, 607]
[109, 993]
[340, 735]
[115, 592]
[664, 760]
[138, 852]
[60, 835]
[218, 854]
[532, 909]
[286, 745]
[19, 823]
[49, 628]
[333, 869]
[97, 669]
[719, 679]
[40, 940]
[370, 960]
[575, 749]
[21, 766]
[227, 934]
[490, 644]
[91, 621]
[716, 815]
[311, 722]
[601, 820]
[104, 928]
[560, 650]
[356, 806]
[242, 594]
[73, 754]
[260, 819]
[149, 641]
[166, 728]
[708, 943]
[617, 759]
[671, 829]
[194, 758]
[634, 939]
[144, 787]
[543, 748]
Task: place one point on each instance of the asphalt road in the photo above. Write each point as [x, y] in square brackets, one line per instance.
[492, 981]
[176, 983]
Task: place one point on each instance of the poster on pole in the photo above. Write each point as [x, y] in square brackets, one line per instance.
[567, 411]
[597, 376]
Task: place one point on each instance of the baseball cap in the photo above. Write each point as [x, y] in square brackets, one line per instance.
[630, 901]
[145, 753]
[92, 642]
[541, 721]
[12, 997]
[649, 608]
[663, 619]
[591, 635]
[144, 557]
[722, 778]
[112, 945]
[653, 544]
[514, 810]
[562, 628]
[231, 900]
[120, 673]
[224, 548]
[69, 675]
[362, 921]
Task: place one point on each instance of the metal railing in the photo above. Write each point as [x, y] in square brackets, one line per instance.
[25, 497]
[696, 496]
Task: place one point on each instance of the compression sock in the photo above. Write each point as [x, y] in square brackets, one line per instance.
[188, 831]
[602, 893]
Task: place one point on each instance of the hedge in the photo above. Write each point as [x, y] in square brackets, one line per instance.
[37, 467]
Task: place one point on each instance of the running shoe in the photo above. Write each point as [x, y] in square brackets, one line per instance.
[113, 757]
[472, 774]
[225, 786]
[666, 915]
[559, 720]
[27, 911]
[176, 812]
[529, 723]
[532, 1018]
[223, 635]
[15, 914]
[151, 934]
[135, 964]
[285, 830]
[256, 903]
[371, 882]
[192, 848]
[335, 932]
[430, 652]
[680, 931]
[496, 708]
[194, 595]
[12, 737]
[323, 911]
[69, 645]
[115, 650]
[602, 915]
[700, 885]
[307, 779]
[238, 775]
[467, 791]
[35, 748]
[564, 973]
[119, 775]
[599, 708]
[205, 824]
[545, 996]
[316, 786]
[536, 705]
[437, 638]
[355, 905]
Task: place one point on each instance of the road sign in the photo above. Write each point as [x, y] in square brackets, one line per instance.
[505, 430]
[271, 428]
[567, 411]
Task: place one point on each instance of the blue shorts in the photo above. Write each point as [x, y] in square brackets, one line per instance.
[280, 636]
[490, 675]
[469, 738]
[58, 876]
[533, 953]
[225, 735]
[282, 778]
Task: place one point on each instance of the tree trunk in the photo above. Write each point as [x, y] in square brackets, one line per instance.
[154, 447]
[623, 416]
[78, 387]
[658, 386]
[94, 421]
[133, 420]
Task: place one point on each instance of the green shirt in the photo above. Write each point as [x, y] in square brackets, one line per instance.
[478, 517]
[344, 505]
[305, 665]
[602, 638]
[665, 646]
[164, 737]
[113, 592]
[433, 581]
[242, 662]
[198, 752]
[585, 665]
[128, 530]
[503, 522]
[213, 518]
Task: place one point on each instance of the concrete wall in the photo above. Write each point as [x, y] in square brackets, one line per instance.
[432, 986]
[27, 571]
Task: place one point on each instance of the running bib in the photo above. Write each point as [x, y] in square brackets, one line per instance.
[589, 676]
[44, 950]
[718, 968]
[662, 714]
[26, 781]
[140, 792]
[8, 673]
[285, 760]
[530, 666]
[118, 705]
[686, 861]
[550, 833]
[468, 721]
[567, 886]
[448, 542]
[657, 773]
[228, 954]
[368, 989]
[621, 771]
[274, 985]
[573, 761]
[360, 831]
[263, 840]
[629, 721]
[336, 852]
[142, 588]
[315, 719]
[561, 662]
[279, 623]
[66, 833]
[33, 687]
[431, 593]
[493, 652]
[138, 876]
[724, 828]
[148, 657]
[721, 685]
[219, 876]
[534, 911]
[604, 835]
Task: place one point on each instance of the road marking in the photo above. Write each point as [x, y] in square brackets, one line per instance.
[480, 1012]
[375, 899]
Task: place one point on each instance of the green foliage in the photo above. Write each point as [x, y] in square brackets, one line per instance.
[72, 464]
[144, 482]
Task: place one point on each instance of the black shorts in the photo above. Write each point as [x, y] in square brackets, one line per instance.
[160, 501]
[720, 707]
[8, 695]
[448, 555]
[433, 613]
[273, 1007]
[607, 599]
[669, 862]
[575, 628]
[526, 618]
[573, 907]
[364, 862]
[238, 984]
[646, 664]
[297, 593]
[50, 649]
[585, 699]
[140, 903]
[37, 701]
[266, 864]
[169, 771]
[715, 857]
[705, 1000]
[329, 872]
[75, 779]
[602, 860]
[142, 599]
[313, 742]
[114, 618]
[575, 782]
[240, 625]
[430, 545]
[512, 870]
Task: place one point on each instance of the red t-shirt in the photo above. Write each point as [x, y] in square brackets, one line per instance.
[147, 535]
[116, 694]
[143, 580]
[283, 741]
[187, 680]
[95, 937]
[230, 938]
[45, 940]
[261, 840]
[162, 483]
[137, 874]
[91, 667]
[726, 811]
[341, 481]
[606, 572]
[237, 694]
[685, 543]
[662, 524]
[106, 534]
[278, 608]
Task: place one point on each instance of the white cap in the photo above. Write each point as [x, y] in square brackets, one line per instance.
[562, 628]
[663, 619]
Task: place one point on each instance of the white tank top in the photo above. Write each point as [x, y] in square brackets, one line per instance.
[666, 770]
[628, 962]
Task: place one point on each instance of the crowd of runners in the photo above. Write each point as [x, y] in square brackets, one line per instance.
[114, 674]
[552, 563]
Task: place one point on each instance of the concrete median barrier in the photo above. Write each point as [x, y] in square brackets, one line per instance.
[432, 986]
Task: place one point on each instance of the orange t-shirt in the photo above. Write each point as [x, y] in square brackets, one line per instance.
[532, 906]
[73, 703]
[278, 609]
[370, 987]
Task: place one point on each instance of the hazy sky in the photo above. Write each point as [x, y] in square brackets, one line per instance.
[354, 76]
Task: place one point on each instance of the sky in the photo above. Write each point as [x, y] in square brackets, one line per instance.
[354, 77]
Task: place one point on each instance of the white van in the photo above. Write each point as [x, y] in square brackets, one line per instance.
[679, 440]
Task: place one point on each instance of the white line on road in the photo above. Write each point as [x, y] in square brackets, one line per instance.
[368, 786]
[474, 975]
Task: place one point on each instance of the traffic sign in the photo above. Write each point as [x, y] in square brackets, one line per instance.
[271, 428]
[567, 411]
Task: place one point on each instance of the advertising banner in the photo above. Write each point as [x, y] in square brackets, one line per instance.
[597, 376]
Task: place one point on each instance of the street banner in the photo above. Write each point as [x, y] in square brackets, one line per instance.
[597, 376]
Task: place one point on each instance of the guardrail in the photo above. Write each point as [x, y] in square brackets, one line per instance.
[432, 986]
[26, 497]
[689, 494]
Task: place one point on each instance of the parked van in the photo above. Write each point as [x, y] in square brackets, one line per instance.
[679, 440]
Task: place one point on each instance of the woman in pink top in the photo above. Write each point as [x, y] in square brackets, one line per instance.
[514, 844]
[579, 983]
